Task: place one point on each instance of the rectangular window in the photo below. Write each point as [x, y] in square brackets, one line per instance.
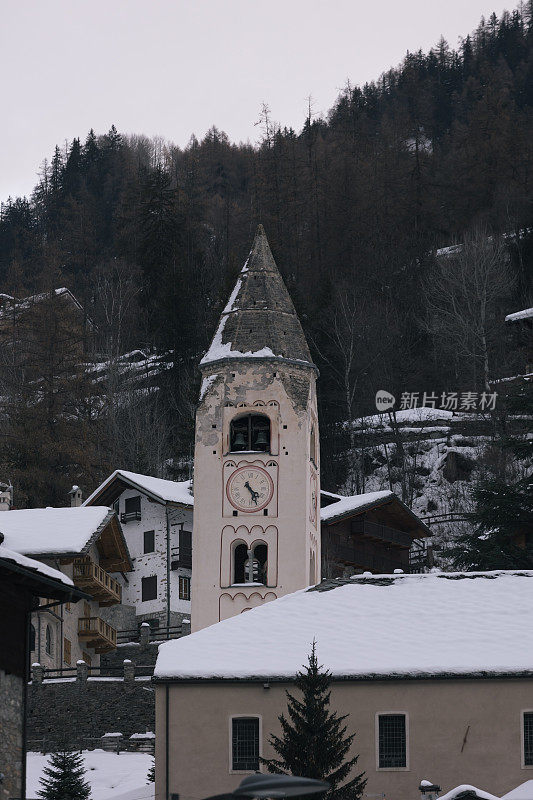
[528, 738]
[87, 658]
[149, 541]
[132, 509]
[86, 609]
[185, 549]
[185, 588]
[132, 504]
[67, 606]
[67, 656]
[245, 743]
[392, 750]
[149, 588]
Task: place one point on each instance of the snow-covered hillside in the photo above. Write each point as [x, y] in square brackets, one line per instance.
[429, 457]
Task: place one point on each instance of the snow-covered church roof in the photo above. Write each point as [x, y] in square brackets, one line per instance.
[436, 624]
[259, 320]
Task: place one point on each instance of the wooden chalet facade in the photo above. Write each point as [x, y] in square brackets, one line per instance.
[23, 582]
[372, 532]
[86, 545]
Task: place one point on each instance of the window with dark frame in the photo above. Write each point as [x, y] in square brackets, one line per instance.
[149, 588]
[132, 504]
[528, 738]
[185, 548]
[67, 652]
[392, 741]
[132, 509]
[149, 541]
[184, 587]
[245, 743]
[49, 642]
[32, 637]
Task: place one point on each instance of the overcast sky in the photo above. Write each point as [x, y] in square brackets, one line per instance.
[175, 67]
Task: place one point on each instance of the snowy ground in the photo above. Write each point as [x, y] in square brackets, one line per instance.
[110, 775]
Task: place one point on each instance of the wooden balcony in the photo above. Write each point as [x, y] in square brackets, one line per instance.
[96, 581]
[97, 634]
[381, 533]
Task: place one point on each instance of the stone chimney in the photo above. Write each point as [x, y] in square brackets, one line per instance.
[76, 498]
[6, 496]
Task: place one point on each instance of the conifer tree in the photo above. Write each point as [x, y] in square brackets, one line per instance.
[314, 743]
[503, 514]
[64, 778]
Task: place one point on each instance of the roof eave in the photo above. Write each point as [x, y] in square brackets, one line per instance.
[363, 678]
[376, 504]
[118, 475]
[54, 589]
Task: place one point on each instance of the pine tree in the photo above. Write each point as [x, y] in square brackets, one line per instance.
[150, 778]
[64, 778]
[314, 742]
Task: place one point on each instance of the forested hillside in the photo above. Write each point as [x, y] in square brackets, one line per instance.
[149, 238]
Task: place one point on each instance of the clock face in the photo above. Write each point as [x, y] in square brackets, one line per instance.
[250, 489]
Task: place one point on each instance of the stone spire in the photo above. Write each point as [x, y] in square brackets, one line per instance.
[259, 320]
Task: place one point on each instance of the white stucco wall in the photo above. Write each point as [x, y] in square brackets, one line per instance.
[153, 517]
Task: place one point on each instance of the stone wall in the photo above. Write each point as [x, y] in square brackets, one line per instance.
[11, 701]
[80, 710]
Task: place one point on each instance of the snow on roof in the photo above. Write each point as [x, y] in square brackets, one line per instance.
[389, 625]
[356, 502]
[527, 313]
[522, 792]
[467, 789]
[419, 414]
[49, 531]
[32, 564]
[158, 488]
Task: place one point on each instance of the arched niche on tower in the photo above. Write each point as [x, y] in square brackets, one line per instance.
[264, 540]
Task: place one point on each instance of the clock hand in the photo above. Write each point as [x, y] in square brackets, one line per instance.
[254, 494]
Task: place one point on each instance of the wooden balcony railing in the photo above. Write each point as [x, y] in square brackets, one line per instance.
[97, 582]
[130, 516]
[378, 532]
[98, 634]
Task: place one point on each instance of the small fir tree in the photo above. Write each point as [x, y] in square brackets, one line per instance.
[314, 743]
[64, 778]
[150, 778]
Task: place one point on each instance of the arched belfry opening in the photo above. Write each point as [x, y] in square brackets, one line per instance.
[250, 564]
[250, 433]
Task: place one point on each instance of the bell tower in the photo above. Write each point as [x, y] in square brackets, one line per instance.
[256, 463]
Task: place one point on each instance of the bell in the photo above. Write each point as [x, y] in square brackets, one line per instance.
[261, 438]
[239, 443]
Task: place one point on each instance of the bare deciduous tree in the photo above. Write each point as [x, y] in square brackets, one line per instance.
[461, 295]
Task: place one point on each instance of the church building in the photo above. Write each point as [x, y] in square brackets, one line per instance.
[257, 474]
